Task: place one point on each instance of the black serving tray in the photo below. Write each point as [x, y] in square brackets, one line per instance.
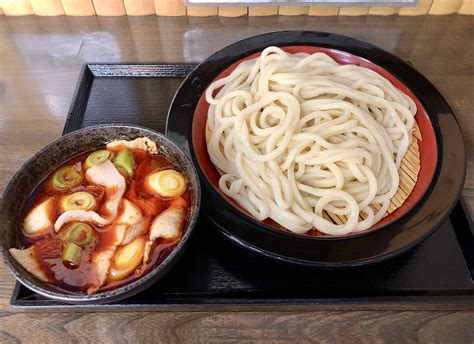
[216, 274]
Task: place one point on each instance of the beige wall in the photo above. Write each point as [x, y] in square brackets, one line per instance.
[177, 8]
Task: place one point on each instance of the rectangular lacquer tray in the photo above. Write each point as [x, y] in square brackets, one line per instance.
[215, 274]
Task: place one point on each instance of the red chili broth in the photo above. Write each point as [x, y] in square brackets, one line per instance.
[48, 252]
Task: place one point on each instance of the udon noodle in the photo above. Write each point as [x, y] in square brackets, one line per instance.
[297, 135]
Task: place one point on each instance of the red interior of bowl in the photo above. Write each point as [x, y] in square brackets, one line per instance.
[428, 149]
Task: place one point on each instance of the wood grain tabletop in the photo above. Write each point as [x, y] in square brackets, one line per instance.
[40, 62]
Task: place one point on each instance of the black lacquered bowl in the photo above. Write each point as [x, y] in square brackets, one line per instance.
[367, 247]
[47, 159]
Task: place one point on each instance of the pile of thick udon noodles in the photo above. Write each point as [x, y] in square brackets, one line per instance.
[297, 135]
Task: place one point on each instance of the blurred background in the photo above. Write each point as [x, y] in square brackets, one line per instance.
[234, 8]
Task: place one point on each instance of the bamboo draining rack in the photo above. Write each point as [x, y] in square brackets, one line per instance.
[177, 8]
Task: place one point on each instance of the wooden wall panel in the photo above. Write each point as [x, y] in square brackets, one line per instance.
[354, 11]
[139, 7]
[232, 11]
[259, 11]
[293, 10]
[440, 7]
[172, 8]
[467, 7]
[323, 11]
[201, 11]
[177, 8]
[47, 7]
[421, 8]
[383, 10]
[78, 7]
[109, 7]
[17, 7]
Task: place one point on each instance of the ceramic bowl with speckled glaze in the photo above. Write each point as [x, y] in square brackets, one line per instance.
[35, 169]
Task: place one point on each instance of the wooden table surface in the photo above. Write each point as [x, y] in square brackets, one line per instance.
[40, 62]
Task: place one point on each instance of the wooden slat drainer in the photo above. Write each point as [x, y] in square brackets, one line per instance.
[409, 169]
